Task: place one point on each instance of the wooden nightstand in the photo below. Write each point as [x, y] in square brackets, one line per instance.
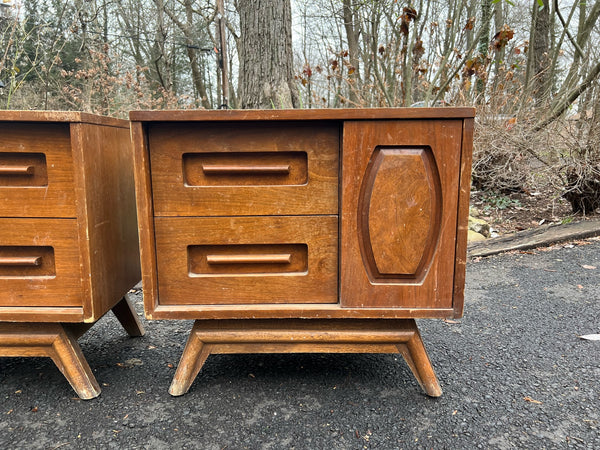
[303, 230]
[68, 235]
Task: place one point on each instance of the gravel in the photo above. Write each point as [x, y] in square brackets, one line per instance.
[514, 371]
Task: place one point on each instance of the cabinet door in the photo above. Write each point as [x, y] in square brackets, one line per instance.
[399, 213]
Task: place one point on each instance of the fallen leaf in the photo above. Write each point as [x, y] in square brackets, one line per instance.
[530, 400]
[591, 337]
[585, 266]
[34, 409]
[134, 362]
[170, 366]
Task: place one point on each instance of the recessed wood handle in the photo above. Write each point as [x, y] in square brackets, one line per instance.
[283, 258]
[16, 170]
[21, 261]
[245, 169]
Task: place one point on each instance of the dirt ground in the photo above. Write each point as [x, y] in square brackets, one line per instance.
[523, 210]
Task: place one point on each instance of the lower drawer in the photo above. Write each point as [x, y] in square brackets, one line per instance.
[247, 260]
[39, 263]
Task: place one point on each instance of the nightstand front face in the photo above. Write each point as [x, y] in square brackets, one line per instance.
[246, 214]
[36, 171]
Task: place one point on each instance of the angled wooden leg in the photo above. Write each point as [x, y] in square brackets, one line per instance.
[52, 340]
[125, 313]
[416, 357]
[69, 359]
[193, 358]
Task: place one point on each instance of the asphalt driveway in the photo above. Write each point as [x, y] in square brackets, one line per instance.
[514, 371]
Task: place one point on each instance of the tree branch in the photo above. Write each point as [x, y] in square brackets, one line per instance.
[570, 98]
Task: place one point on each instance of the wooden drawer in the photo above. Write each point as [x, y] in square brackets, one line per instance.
[36, 170]
[247, 260]
[219, 169]
[39, 263]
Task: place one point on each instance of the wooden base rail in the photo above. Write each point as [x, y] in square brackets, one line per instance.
[59, 342]
[304, 336]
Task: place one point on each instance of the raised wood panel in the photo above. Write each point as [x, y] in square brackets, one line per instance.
[399, 225]
[36, 170]
[108, 221]
[56, 281]
[255, 272]
[253, 168]
[380, 266]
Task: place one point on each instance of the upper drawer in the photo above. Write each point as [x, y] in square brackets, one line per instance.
[219, 169]
[36, 170]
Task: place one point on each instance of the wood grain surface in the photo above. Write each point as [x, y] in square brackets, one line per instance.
[49, 190]
[181, 187]
[434, 287]
[184, 278]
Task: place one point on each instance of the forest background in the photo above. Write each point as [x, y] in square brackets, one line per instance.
[531, 67]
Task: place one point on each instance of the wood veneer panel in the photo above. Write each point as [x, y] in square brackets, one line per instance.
[181, 185]
[145, 212]
[462, 226]
[108, 223]
[431, 286]
[309, 277]
[47, 191]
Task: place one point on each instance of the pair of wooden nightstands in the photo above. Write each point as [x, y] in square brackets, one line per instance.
[278, 231]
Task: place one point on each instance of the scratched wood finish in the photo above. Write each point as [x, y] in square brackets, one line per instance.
[48, 190]
[433, 288]
[330, 115]
[307, 278]
[180, 186]
[106, 210]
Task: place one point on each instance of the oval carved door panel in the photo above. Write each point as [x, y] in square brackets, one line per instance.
[399, 222]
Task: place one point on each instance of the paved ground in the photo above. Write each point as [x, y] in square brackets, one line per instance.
[515, 374]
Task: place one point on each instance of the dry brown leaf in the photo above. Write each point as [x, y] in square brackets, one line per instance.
[530, 400]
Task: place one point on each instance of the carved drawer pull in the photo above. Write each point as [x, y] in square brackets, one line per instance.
[16, 170]
[21, 261]
[249, 259]
[214, 169]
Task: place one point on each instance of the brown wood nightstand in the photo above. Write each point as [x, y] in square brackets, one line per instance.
[68, 235]
[303, 230]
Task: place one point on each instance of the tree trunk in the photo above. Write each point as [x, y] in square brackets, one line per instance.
[484, 42]
[540, 53]
[266, 61]
[352, 34]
